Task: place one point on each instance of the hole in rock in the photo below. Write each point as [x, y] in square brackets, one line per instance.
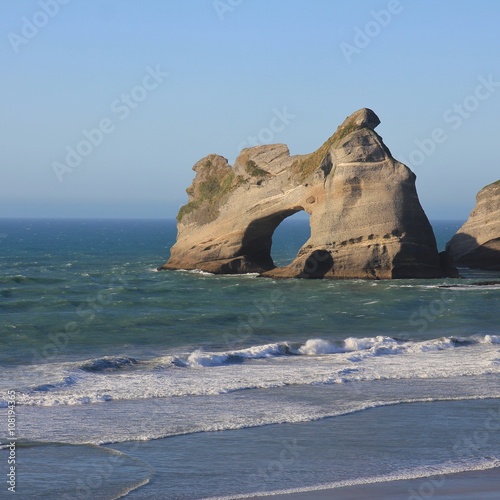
[279, 233]
[289, 237]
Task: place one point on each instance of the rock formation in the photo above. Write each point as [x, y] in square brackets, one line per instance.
[477, 242]
[366, 220]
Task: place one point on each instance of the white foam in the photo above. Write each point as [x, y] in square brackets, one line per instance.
[491, 339]
[469, 288]
[356, 344]
[432, 345]
[195, 271]
[376, 345]
[417, 473]
[160, 418]
[313, 347]
[201, 373]
[199, 358]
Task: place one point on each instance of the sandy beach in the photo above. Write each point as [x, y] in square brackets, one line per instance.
[474, 485]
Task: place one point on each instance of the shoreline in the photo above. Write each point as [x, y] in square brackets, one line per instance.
[482, 484]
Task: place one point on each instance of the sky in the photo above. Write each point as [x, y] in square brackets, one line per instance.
[107, 104]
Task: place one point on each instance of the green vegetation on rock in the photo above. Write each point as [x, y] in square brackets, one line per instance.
[209, 193]
[306, 166]
[252, 169]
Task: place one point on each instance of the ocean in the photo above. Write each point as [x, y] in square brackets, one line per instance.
[121, 381]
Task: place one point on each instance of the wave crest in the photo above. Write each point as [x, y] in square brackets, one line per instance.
[107, 363]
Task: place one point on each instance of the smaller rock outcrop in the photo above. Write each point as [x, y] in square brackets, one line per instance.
[477, 242]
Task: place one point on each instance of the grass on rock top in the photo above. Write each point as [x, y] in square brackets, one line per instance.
[252, 169]
[306, 166]
[210, 193]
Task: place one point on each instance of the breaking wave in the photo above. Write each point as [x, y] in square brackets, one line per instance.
[281, 364]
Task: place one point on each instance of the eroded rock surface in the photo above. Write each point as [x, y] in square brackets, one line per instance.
[366, 219]
[477, 242]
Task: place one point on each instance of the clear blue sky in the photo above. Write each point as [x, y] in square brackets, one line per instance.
[231, 65]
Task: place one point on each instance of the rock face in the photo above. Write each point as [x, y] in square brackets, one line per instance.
[366, 220]
[477, 242]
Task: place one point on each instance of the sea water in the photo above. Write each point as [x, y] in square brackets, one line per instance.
[145, 384]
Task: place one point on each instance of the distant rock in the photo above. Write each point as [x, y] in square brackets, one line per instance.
[366, 219]
[477, 242]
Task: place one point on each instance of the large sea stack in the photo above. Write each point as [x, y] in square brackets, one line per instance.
[366, 220]
[477, 242]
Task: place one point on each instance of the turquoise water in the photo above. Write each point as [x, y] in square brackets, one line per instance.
[110, 358]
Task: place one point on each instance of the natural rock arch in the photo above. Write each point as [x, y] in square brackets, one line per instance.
[257, 238]
[365, 217]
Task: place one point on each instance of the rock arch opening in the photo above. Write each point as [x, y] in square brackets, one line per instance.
[258, 239]
[289, 237]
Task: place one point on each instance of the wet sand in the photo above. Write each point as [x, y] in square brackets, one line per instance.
[474, 485]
